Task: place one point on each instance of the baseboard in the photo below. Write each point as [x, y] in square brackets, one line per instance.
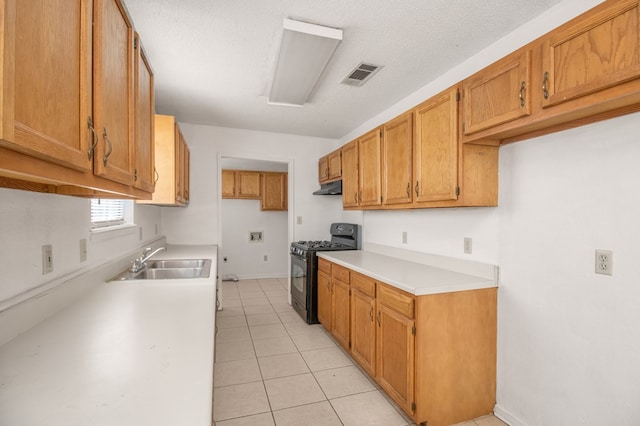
[262, 276]
[507, 417]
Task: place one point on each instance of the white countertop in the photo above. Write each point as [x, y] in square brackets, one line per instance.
[128, 353]
[413, 277]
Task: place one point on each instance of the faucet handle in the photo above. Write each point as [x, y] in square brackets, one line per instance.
[146, 250]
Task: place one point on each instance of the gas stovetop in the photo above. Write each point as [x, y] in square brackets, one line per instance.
[301, 247]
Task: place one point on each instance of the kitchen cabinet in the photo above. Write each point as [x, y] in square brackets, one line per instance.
[171, 169]
[396, 345]
[341, 304]
[435, 156]
[361, 171]
[350, 175]
[433, 354]
[325, 300]
[363, 325]
[330, 167]
[70, 129]
[241, 184]
[498, 94]
[144, 171]
[274, 191]
[583, 71]
[397, 160]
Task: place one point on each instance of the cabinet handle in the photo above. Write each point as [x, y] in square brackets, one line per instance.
[408, 189]
[355, 198]
[108, 153]
[378, 318]
[135, 175]
[417, 189]
[371, 314]
[521, 94]
[157, 175]
[95, 137]
[327, 172]
[545, 80]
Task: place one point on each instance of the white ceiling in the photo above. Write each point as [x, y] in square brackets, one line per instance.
[213, 59]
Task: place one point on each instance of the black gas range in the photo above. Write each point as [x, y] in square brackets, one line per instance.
[304, 266]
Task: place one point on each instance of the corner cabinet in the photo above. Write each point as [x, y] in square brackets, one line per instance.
[434, 355]
[69, 129]
[171, 164]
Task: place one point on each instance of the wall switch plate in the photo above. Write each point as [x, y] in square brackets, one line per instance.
[404, 237]
[604, 262]
[156, 229]
[468, 245]
[47, 259]
[299, 220]
[140, 230]
[83, 250]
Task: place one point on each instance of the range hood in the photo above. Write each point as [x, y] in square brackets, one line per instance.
[330, 188]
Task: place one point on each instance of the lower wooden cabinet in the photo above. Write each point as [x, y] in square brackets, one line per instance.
[434, 355]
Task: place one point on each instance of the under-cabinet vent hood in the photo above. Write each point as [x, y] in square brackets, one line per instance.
[330, 188]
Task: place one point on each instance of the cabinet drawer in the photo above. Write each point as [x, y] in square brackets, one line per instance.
[364, 284]
[324, 266]
[340, 273]
[397, 300]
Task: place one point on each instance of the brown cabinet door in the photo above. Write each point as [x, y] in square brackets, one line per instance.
[274, 191]
[325, 300]
[600, 50]
[363, 331]
[498, 94]
[179, 165]
[248, 184]
[144, 139]
[113, 91]
[369, 173]
[395, 356]
[186, 173]
[334, 162]
[323, 169]
[397, 156]
[46, 70]
[350, 174]
[228, 184]
[436, 148]
[341, 312]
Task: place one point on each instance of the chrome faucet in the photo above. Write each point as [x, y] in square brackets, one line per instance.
[139, 263]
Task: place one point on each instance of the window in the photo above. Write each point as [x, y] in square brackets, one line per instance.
[106, 213]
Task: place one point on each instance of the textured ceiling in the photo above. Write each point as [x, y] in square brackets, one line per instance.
[213, 59]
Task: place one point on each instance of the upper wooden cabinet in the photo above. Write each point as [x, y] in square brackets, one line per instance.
[274, 191]
[361, 171]
[241, 184]
[144, 171]
[584, 71]
[397, 160]
[171, 163]
[330, 167]
[594, 53]
[498, 93]
[69, 118]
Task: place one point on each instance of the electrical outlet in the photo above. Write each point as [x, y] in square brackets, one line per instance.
[47, 259]
[83, 250]
[604, 262]
[468, 245]
[404, 237]
[266, 258]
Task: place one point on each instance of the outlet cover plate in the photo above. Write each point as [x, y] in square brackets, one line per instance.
[604, 262]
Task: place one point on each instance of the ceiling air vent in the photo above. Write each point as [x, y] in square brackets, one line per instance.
[360, 74]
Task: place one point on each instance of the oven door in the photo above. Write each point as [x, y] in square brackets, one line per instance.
[299, 284]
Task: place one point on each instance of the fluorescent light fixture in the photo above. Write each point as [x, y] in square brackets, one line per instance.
[304, 54]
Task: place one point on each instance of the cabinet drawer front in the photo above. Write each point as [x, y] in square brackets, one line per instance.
[324, 266]
[340, 273]
[364, 284]
[400, 302]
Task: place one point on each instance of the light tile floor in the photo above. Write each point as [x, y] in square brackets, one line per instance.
[274, 369]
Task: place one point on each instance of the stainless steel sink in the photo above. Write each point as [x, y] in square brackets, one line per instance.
[177, 263]
[169, 269]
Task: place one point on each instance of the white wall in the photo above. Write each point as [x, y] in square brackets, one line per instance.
[198, 224]
[28, 220]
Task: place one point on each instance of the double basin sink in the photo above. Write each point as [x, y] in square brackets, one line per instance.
[169, 269]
